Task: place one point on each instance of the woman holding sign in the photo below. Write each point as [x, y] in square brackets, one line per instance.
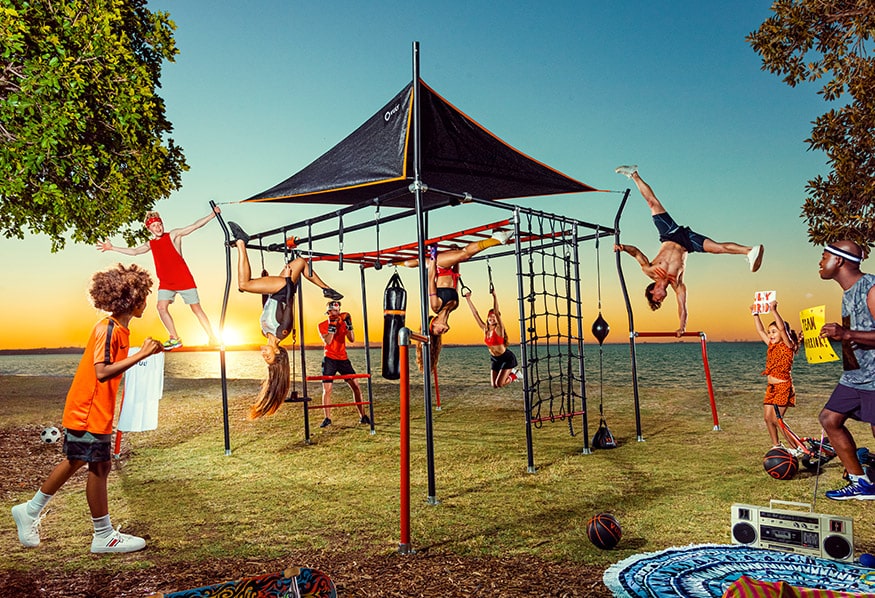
[782, 344]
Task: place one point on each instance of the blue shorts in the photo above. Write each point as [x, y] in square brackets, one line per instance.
[189, 296]
[505, 361]
[852, 402]
[669, 230]
[88, 447]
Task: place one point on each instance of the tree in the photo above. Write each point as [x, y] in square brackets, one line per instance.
[85, 150]
[830, 40]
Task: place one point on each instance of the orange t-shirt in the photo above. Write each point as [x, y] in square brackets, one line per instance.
[90, 403]
[336, 349]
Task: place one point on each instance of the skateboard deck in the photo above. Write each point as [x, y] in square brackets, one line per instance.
[294, 582]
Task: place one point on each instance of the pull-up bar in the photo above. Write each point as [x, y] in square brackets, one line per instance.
[702, 338]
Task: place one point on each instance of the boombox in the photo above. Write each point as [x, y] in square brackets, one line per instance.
[806, 533]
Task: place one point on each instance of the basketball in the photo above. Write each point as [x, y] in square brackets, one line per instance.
[780, 464]
[604, 531]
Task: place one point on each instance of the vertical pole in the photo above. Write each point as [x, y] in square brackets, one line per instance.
[421, 235]
[708, 380]
[367, 347]
[580, 356]
[632, 334]
[305, 396]
[524, 343]
[404, 419]
[222, 369]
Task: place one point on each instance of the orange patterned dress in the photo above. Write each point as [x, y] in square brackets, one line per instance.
[779, 363]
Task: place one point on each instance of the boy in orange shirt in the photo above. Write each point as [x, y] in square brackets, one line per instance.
[90, 408]
[335, 331]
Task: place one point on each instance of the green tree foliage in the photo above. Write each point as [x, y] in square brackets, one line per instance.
[831, 41]
[84, 151]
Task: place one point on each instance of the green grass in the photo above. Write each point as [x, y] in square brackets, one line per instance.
[177, 487]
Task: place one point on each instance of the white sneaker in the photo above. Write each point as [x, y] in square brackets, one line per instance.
[28, 527]
[117, 542]
[627, 170]
[502, 236]
[755, 257]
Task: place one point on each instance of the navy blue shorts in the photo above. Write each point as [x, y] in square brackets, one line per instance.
[88, 447]
[505, 361]
[669, 230]
[852, 402]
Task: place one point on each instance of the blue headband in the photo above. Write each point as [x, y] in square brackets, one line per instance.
[843, 254]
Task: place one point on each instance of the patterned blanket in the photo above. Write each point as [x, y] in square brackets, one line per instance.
[707, 570]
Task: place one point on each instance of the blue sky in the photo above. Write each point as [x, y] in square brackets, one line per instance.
[261, 89]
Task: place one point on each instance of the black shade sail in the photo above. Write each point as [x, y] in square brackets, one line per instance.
[458, 156]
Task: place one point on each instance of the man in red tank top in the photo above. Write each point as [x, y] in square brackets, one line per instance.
[174, 277]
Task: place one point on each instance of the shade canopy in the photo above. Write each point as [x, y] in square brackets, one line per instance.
[458, 157]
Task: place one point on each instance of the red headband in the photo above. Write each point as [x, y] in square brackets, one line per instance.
[152, 219]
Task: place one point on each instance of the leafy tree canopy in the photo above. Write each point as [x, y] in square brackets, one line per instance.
[831, 41]
[84, 151]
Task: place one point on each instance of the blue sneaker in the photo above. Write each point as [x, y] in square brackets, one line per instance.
[859, 490]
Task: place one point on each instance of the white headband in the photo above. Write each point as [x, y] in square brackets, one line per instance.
[843, 254]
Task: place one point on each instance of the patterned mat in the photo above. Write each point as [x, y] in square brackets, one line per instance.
[706, 570]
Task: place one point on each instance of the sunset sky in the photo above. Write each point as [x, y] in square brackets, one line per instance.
[259, 90]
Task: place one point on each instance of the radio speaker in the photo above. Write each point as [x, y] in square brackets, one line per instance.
[807, 533]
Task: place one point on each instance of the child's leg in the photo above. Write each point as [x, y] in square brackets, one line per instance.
[60, 474]
[327, 387]
[771, 423]
[95, 488]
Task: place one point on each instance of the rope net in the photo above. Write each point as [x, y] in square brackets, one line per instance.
[554, 344]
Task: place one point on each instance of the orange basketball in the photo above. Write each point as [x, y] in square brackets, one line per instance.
[780, 464]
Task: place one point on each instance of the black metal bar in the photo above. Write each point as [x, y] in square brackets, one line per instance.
[580, 345]
[367, 344]
[222, 329]
[524, 351]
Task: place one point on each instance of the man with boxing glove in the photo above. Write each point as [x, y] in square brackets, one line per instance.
[335, 331]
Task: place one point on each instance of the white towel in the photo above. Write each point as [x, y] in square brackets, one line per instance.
[144, 385]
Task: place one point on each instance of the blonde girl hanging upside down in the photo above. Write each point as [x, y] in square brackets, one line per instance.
[782, 343]
[276, 319]
[503, 360]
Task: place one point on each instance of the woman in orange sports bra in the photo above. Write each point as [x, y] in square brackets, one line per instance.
[782, 343]
[504, 362]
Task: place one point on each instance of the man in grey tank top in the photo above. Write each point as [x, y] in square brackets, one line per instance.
[854, 396]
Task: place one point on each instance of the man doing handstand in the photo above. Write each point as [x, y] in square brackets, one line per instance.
[667, 268]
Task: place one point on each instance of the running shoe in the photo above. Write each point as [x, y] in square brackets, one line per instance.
[755, 257]
[859, 490]
[117, 542]
[365, 420]
[325, 423]
[238, 233]
[332, 294]
[171, 344]
[432, 251]
[627, 170]
[28, 527]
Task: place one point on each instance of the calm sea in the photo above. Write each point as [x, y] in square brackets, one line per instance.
[734, 366]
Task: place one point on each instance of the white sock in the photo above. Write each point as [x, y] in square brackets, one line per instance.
[102, 525]
[36, 504]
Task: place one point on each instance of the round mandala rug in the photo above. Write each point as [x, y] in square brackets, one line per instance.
[706, 570]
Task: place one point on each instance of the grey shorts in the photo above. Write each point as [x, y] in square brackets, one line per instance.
[88, 447]
[189, 296]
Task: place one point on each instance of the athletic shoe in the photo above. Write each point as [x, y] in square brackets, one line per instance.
[859, 490]
[325, 423]
[237, 232]
[627, 170]
[755, 257]
[502, 236]
[292, 242]
[117, 542]
[332, 294]
[28, 527]
[432, 251]
[171, 344]
[365, 420]
[796, 452]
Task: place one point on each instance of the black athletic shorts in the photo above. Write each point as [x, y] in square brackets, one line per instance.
[331, 367]
[505, 361]
[88, 447]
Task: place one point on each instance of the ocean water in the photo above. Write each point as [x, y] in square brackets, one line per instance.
[733, 366]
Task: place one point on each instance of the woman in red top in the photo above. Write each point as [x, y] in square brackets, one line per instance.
[782, 343]
[504, 362]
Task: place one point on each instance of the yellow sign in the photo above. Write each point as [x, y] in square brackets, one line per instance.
[817, 348]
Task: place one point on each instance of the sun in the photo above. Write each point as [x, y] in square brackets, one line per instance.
[231, 337]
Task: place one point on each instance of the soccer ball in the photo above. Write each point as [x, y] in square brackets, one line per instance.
[50, 435]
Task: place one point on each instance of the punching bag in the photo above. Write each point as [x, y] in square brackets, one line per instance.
[394, 304]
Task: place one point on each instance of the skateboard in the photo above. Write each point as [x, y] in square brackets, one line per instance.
[294, 582]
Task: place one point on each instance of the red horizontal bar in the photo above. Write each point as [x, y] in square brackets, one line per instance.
[341, 377]
[557, 417]
[667, 334]
[333, 405]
